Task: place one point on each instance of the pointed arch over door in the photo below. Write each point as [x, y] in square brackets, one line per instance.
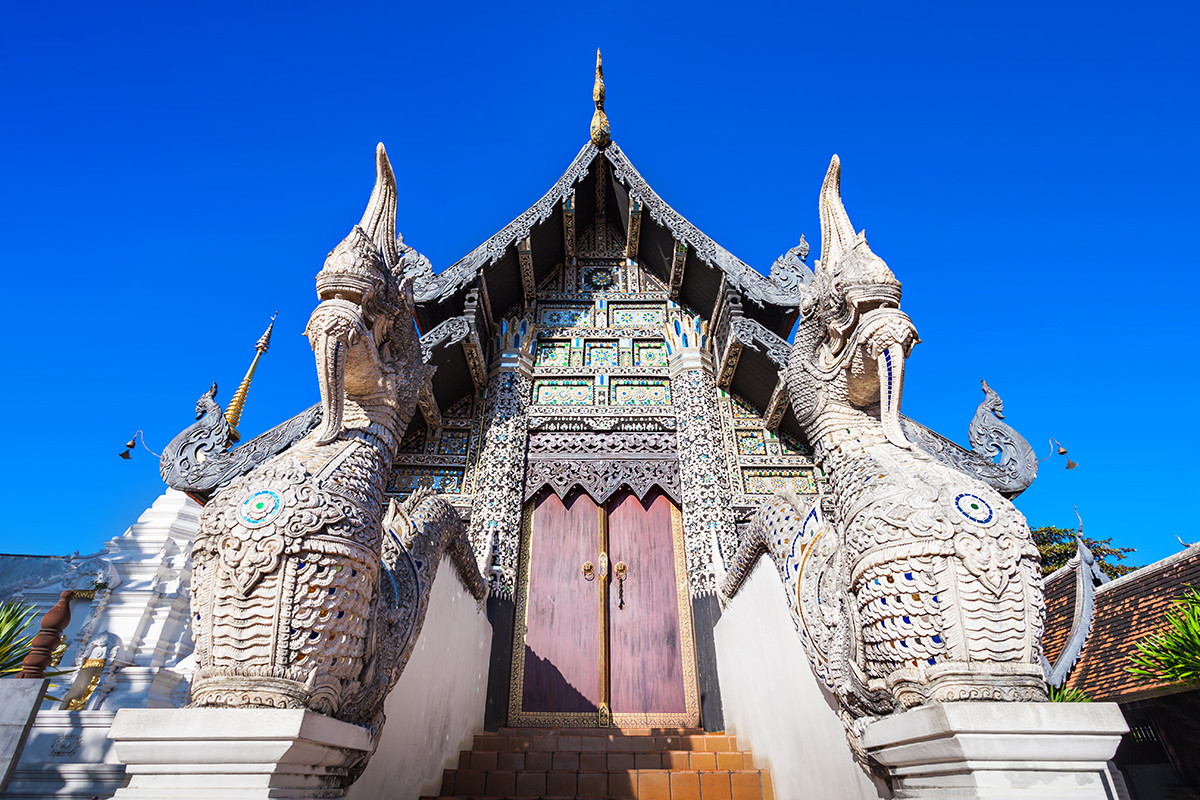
[610, 644]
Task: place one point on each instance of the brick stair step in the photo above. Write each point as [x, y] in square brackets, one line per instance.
[677, 784]
[571, 743]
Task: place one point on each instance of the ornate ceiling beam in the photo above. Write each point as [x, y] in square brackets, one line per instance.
[472, 343]
[777, 405]
[525, 256]
[568, 206]
[428, 404]
[678, 259]
[634, 228]
[727, 312]
[485, 305]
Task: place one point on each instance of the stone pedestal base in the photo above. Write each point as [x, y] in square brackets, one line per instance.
[971, 751]
[226, 753]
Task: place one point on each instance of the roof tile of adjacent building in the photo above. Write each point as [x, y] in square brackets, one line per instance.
[1127, 610]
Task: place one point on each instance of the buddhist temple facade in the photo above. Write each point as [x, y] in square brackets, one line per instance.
[685, 543]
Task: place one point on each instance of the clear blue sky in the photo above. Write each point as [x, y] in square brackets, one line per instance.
[172, 174]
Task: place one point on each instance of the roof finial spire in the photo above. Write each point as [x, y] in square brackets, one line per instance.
[233, 415]
[600, 131]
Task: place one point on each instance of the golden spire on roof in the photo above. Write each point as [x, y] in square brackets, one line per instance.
[600, 131]
[233, 414]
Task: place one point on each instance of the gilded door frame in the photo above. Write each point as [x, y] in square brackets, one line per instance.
[690, 717]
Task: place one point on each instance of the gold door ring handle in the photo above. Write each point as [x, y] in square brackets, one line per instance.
[589, 571]
[621, 569]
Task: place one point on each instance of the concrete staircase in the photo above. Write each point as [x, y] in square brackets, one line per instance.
[671, 764]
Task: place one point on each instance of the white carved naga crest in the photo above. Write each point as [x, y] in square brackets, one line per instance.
[918, 582]
[307, 591]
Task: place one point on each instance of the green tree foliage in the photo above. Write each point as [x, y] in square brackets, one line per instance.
[1173, 654]
[1057, 546]
[16, 634]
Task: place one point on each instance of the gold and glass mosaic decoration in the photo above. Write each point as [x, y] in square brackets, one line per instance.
[637, 315]
[600, 354]
[565, 316]
[649, 354]
[763, 461]
[568, 392]
[440, 459]
[640, 392]
[553, 354]
[443, 480]
[769, 481]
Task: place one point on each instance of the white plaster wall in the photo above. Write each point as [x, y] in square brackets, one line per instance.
[774, 704]
[437, 705]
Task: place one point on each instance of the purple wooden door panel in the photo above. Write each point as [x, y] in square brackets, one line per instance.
[562, 637]
[645, 658]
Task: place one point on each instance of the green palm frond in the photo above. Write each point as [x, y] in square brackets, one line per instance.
[16, 634]
[1065, 694]
[1172, 655]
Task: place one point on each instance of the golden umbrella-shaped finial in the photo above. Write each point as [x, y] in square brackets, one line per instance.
[601, 135]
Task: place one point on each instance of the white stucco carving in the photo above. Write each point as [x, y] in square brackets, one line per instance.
[919, 582]
[306, 594]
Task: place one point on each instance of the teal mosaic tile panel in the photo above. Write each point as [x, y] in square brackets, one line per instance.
[462, 409]
[791, 446]
[414, 440]
[742, 408]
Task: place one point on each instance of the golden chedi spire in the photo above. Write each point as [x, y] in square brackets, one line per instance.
[233, 414]
[600, 131]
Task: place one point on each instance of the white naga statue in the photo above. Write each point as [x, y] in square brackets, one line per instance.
[309, 590]
[917, 582]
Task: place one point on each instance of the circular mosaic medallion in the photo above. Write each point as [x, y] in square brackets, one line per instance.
[600, 278]
[974, 508]
[260, 507]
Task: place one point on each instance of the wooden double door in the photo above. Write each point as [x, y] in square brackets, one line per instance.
[603, 632]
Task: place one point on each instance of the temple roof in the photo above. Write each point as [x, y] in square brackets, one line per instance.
[706, 266]
[1128, 609]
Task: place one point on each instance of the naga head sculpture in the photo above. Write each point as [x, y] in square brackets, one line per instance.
[857, 334]
[354, 332]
